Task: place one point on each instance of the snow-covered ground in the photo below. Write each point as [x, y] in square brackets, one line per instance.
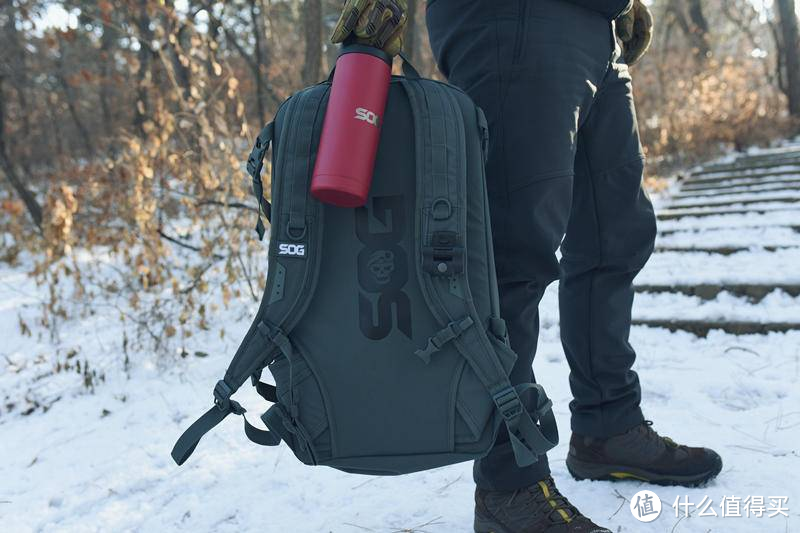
[99, 462]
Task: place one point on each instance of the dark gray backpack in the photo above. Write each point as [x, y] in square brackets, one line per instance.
[381, 324]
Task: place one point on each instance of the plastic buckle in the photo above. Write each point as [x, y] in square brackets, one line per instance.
[253, 165]
[222, 395]
[507, 402]
[444, 256]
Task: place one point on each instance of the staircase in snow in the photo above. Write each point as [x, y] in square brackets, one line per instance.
[728, 250]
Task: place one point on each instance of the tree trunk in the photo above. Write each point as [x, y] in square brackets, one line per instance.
[144, 76]
[256, 16]
[789, 50]
[410, 44]
[107, 42]
[312, 26]
[698, 26]
[27, 197]
[72, 105]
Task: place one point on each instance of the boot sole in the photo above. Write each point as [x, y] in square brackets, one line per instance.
[582, 470]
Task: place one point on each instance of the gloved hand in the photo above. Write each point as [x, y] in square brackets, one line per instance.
[378, 23]
[635, 30]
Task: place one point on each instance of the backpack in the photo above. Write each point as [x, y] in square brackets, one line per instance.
[381, 324]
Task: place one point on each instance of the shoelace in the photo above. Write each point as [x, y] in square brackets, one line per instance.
[652, 433]
[550, 501]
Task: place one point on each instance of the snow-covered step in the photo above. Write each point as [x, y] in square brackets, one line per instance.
[779, 165]
[753, 174]
[788, 180]
[755, 158]
[702, 328]
[773, 306]
[758, 207]
[787, 159]
[786, 218]
[775, 311]
[753, 292]
[742, 237]
[763, 158]
[787, 197]
[735, 190]
[777, 268]
[720, 250]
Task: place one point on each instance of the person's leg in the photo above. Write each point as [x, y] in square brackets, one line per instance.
[532, 68]
[609, 238]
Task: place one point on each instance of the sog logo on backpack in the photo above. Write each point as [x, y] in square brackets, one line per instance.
[385, 342]
[383, 270]
[291, 249]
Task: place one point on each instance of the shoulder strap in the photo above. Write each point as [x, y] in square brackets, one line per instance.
[441, 263]
[294, 283]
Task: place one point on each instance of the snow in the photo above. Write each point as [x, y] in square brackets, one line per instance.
[756, 237]
[100, 462]
[735, 198]
[755, 266]
[763, 207]
[737, 189]
[776, 306]
[786, 217]
[745, 172]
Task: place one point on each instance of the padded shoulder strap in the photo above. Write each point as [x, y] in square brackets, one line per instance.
[441, 262]
[292, 278]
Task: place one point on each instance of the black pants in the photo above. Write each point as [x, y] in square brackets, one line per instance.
[565, 162]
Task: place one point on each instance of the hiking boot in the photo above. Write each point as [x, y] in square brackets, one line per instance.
[539, 508]
[641, 454]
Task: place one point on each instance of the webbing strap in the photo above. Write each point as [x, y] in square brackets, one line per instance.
[442, 337]
[255, 163]
[298, 164]
[265, 390]
[223, 407]
[528, 439]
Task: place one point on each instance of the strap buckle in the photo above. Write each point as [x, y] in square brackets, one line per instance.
[444, 256]
[222, 395]
[507, 402]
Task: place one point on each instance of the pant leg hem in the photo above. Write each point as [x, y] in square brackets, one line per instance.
[589, 427]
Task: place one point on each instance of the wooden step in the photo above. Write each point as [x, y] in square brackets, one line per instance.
[764, 158]
[701, 328]
[774, 198]
[713, 228]
[710, 169]
[675, 214]
[733, 183]
[720, 250]
[755, 177]
[706, 291]
[739, 189]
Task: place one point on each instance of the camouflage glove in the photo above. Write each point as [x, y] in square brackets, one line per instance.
[378, 23]
[635, 30]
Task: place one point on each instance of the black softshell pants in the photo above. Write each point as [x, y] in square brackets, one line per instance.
[564, 162]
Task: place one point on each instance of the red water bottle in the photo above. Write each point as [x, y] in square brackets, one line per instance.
[352, 126]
